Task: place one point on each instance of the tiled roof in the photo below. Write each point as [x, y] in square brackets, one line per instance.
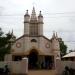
[71, 54]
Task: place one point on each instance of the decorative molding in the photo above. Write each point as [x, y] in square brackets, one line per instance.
[18, 44]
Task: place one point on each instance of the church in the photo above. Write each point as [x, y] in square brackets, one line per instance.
[40, 51]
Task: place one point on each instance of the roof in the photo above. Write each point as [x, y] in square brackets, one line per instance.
[32, 36]
[71, 54]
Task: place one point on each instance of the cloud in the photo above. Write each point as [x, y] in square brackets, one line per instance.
[1, 10]
[58, 15]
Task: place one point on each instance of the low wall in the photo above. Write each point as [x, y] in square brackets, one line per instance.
[21, 67]
[16, 67]
[3, 63]
[60, 65]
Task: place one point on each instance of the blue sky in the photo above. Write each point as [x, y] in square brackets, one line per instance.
[59, 16]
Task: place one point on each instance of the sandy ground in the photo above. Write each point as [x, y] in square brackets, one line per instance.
[40, 72]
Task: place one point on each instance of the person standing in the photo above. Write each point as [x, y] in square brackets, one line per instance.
[6, 70]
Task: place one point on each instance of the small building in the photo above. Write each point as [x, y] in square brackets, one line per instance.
[40, 51]
[69, 57]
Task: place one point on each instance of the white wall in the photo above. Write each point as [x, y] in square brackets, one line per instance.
[60, 65]
[16, 67]
[27, 45]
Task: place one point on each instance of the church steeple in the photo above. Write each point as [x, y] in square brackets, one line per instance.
[33, 15]
[40, 18]
[26, 13]
[53, 35]
[40, 15]
[40, 23]
[26, 23]
[33, 25]
[26, 17]
[56, 35]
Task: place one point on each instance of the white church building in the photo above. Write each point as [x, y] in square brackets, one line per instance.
[40, 51]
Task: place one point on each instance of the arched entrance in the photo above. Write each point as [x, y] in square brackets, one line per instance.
[33, 59]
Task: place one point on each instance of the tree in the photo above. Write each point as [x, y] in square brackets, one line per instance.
[63, 47]
[5, 45]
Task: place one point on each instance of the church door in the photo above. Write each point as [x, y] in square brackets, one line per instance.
[33, 59]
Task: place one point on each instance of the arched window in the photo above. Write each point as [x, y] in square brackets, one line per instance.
[33, 40]
[34, 29]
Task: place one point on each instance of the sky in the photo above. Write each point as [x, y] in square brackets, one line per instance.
[59, 16]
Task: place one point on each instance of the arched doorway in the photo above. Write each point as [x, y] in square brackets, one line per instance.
[33, 59]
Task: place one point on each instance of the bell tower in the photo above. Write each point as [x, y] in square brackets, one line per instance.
[26, 23]
[33, 25]
[40, 24]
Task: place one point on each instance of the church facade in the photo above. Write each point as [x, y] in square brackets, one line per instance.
[40, 51]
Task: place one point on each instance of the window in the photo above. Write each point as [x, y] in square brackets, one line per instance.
[33, 40]
[34, 29]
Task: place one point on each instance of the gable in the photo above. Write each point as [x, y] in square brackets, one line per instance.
[25, 43]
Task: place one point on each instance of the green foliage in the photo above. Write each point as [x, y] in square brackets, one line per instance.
[1, 33]
[4, 44]
[63, 48]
